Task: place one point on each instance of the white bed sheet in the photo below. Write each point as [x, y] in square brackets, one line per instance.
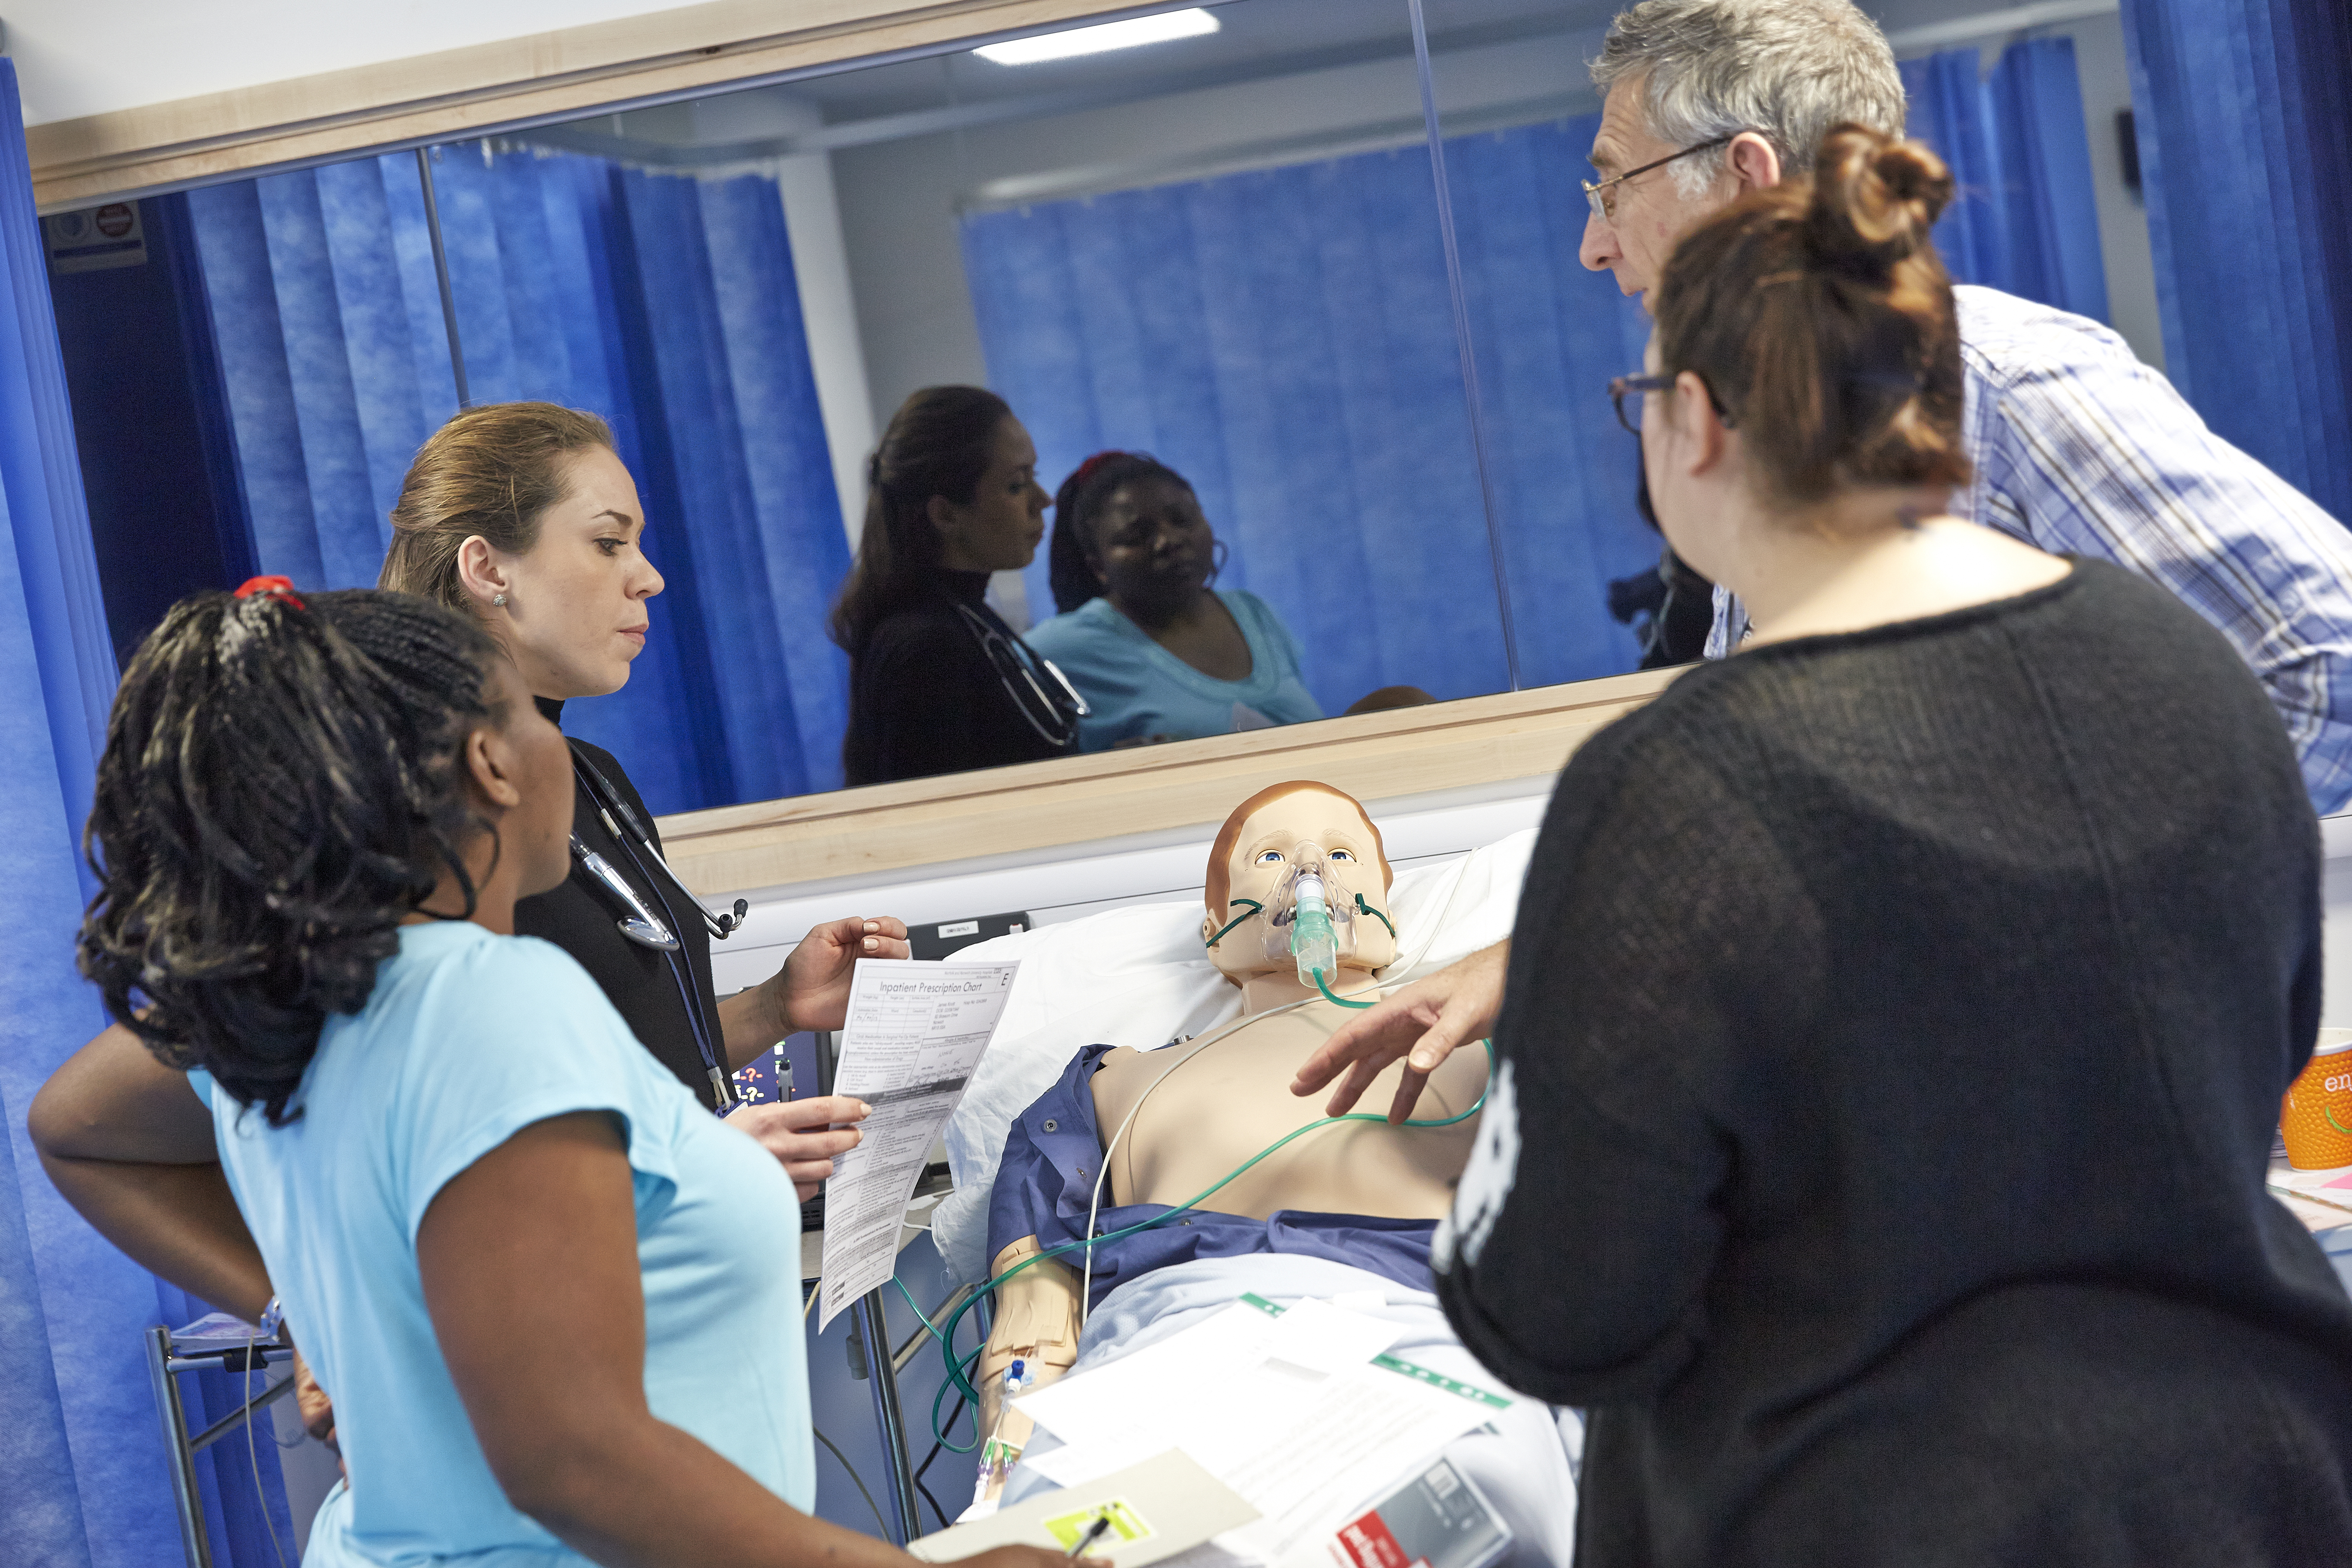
[1524, 1460]
[1137, 977]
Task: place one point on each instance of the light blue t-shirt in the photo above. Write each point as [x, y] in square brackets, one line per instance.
[1138, 688]
[467, 1038]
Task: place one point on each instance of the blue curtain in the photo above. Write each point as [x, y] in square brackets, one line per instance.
[2026, 218]
[1549, 337]
[2246, 152]
[665, 304]
[1284, 340]
[82, 1479]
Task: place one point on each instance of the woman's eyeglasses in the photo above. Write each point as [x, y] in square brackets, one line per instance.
[1604, 205]
[1634, 386]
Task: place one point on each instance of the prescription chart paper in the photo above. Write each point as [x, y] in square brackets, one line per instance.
[915, 1030]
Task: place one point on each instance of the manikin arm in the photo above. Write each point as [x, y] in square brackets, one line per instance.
[1036, 1320]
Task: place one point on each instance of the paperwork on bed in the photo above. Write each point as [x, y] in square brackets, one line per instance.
[915, 1031]
[1299, 1411]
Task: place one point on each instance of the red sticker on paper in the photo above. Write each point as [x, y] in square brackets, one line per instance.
[1369, 1544]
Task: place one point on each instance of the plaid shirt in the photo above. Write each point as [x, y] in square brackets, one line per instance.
[2080, 449]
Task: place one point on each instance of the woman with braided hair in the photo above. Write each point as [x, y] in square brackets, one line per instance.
[542, 1280]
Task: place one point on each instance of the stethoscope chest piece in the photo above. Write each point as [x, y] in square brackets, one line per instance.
[1034, 684]
[640, 925]
[643, 927]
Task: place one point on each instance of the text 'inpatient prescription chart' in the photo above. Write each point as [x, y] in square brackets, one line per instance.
[915, 1032]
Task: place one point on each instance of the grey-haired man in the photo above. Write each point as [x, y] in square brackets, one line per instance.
[2077, 447]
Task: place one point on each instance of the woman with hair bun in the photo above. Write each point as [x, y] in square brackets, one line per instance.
[1899, 1008]
[545, 1285]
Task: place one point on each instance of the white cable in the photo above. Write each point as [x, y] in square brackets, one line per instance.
[253, 1454]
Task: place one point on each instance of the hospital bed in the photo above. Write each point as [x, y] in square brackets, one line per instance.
[1136, 976]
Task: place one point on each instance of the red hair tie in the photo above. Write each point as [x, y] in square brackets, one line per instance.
[1093, 463]
[279, 588]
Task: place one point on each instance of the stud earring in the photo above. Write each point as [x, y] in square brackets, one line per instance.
[498, 599]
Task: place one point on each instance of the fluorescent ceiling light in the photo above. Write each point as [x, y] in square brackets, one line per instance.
[1123, 35]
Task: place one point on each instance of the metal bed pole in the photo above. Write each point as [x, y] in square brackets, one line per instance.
[180, 1445]
[887, 1419]
[189, 1501]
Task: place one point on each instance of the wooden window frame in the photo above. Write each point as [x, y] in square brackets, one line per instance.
[695, 50]
[962, 817]
[456, 94]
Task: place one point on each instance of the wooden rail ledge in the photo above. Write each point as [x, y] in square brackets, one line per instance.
[460, 93]
[1190, 783]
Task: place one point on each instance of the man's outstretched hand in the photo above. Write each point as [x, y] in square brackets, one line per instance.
[1421, 1024]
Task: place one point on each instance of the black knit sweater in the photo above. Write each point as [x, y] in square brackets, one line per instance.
[1894, 1036]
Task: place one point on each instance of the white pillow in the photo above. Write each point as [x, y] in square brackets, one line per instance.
[1137, 977]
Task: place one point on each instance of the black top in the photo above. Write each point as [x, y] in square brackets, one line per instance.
[925, 699]
[582, 920]
[1894, 1036]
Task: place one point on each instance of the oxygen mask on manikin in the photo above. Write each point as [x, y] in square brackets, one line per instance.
[1311, 917]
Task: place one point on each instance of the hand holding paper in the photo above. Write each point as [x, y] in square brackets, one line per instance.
[915, 1032]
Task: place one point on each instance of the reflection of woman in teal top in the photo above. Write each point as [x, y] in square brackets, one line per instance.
[1158, 653]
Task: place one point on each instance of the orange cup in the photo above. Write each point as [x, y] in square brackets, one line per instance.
[2316, 1118]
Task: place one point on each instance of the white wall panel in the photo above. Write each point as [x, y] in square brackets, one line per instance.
[92, 56]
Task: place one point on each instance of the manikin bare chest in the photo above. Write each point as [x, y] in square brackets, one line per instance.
[1234, 1099]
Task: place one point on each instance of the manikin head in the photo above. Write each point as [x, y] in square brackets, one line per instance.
[1257, 858]
[1762, 79]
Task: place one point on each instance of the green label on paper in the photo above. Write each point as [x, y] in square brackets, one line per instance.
[1469, 1391]
[1068, 1529]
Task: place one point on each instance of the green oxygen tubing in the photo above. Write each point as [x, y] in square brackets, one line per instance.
[958, 1377]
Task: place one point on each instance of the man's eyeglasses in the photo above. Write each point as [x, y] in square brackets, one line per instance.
[1604, 205]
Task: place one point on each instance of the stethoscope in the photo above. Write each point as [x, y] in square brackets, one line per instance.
[642, 926]
[1035, 685]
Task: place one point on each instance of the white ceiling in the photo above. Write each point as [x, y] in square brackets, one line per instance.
[89, 57]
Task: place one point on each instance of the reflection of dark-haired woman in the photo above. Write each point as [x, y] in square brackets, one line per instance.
[1157, 652]
[938, 682]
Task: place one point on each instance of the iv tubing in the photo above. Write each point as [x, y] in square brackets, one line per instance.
[955, 1372]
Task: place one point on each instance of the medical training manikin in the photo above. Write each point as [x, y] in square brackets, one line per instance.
[1296, 913]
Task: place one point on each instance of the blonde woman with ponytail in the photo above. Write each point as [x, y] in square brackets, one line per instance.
[523, 517]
